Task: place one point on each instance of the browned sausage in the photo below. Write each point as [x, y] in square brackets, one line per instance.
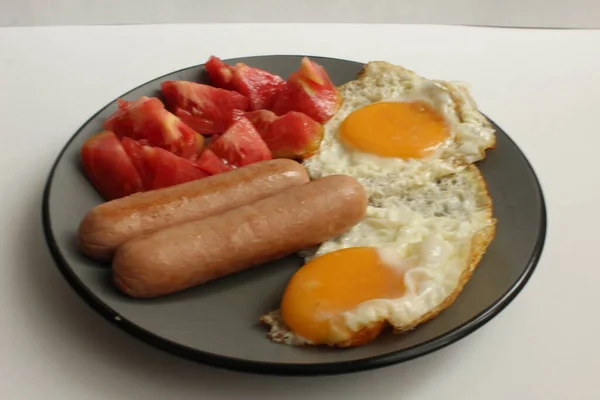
[189, 254]
[111, 224]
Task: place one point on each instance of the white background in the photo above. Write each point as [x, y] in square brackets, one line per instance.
[541, 86]
[519, 13]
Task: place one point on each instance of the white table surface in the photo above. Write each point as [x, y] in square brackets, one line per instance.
[542, 87]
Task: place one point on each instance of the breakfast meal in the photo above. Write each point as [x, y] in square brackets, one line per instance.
[373, 183]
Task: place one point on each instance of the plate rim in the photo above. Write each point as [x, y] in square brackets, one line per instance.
[275, 368]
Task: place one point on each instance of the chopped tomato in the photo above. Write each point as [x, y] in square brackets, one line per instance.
[211, 163]
[259, 86]
[135, 151]
[169, 169]
[205, 108]
[220, 73]
[241, 144]
[147, 120]
[108, 167]
[310, 91]
[293, 135]
[261, 119]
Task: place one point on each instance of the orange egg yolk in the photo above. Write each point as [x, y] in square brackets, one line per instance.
[324, 288]
[395, 129]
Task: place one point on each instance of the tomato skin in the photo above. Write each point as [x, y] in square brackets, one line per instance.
[241, 144]
[293, 135]
[209, 162]
[310, 91]
[206, 109]
[168, 169]
[147, 121]
[108, 167]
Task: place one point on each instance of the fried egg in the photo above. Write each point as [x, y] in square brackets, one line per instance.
[400, 126]
[401, 265]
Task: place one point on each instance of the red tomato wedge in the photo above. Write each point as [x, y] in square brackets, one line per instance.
[211, 163]
[241, 144]
[310, 91]
[220, 73]
[261, 119]
[135, 151]
[168, 169]
[204, 108]
[108, 167]
[293, 135]
[259, 86]
[147, 120]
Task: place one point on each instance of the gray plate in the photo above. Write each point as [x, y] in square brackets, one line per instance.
[216, 323]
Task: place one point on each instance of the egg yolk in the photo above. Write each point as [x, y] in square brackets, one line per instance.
[395, 129]
[324, 288]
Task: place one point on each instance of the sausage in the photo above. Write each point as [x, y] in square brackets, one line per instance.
[195, 252]
[111, 224]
